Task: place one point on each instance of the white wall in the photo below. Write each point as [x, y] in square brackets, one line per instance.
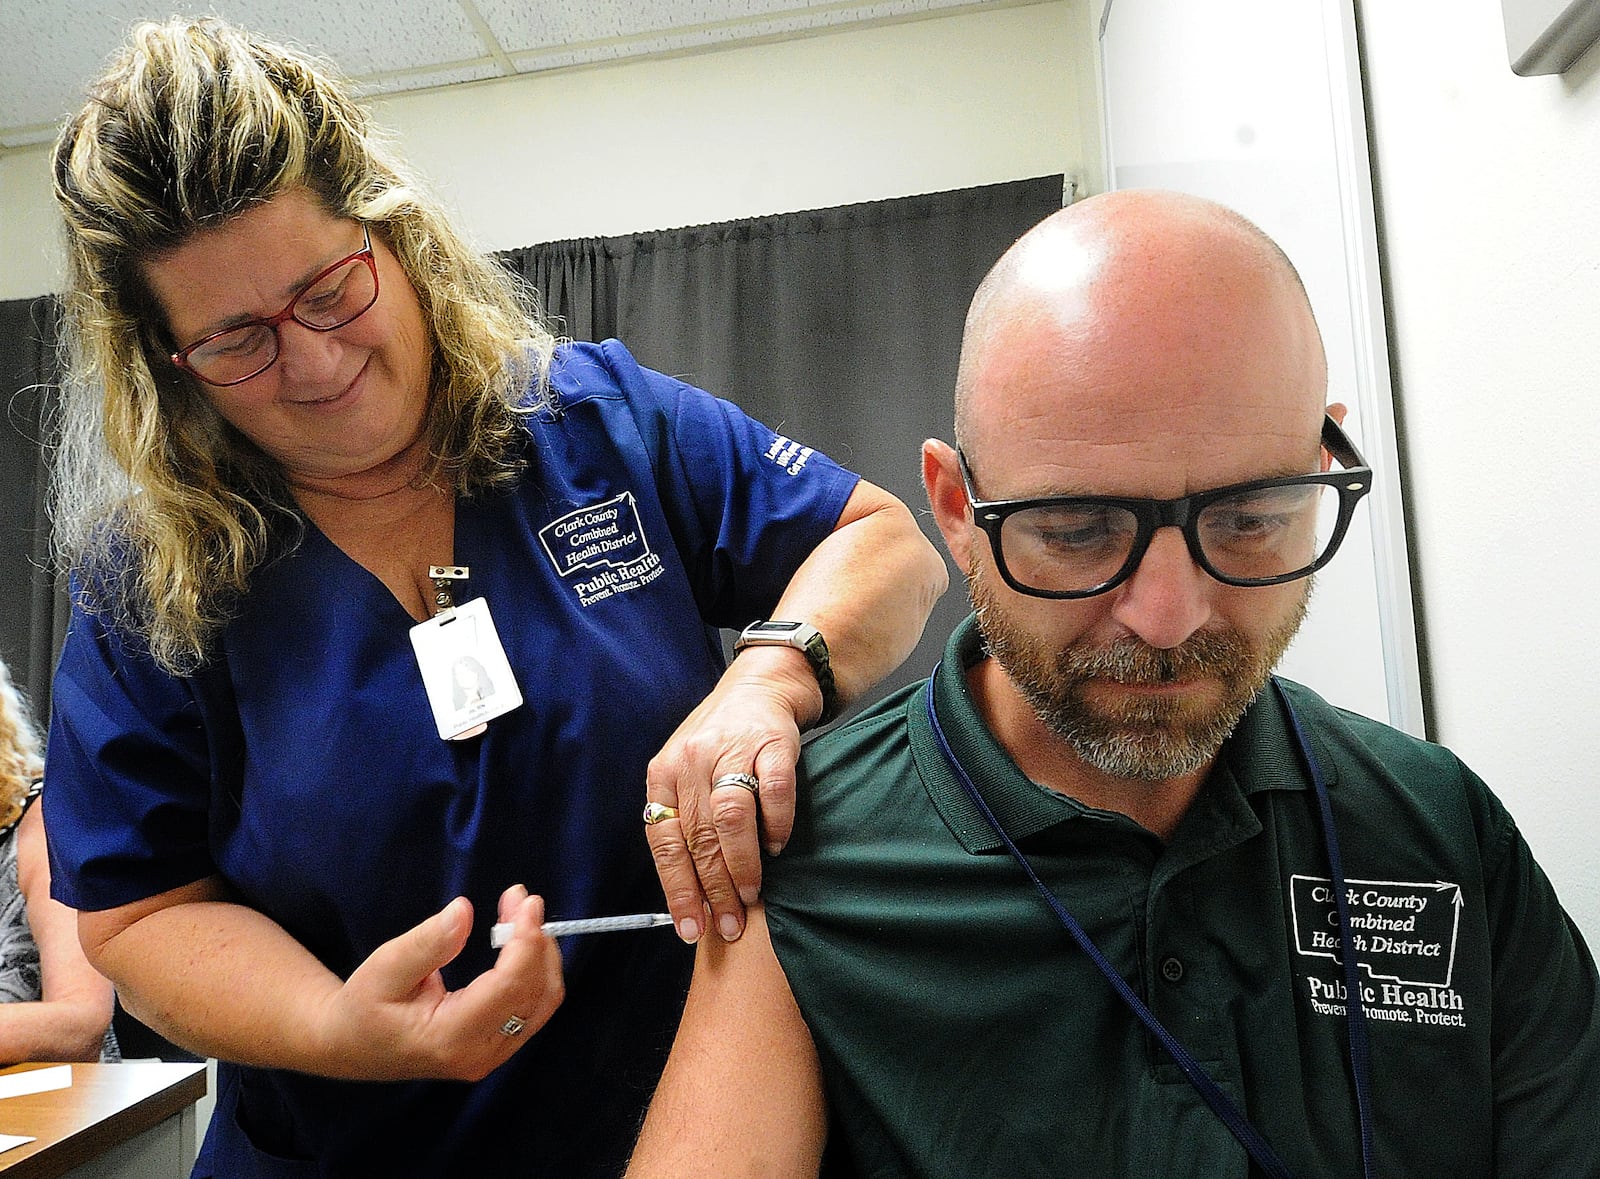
[1257, 104]
[29, 227]
[861, 114]
[1486, 191]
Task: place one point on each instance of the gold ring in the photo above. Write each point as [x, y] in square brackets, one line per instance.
[513, 1026]
[655, 812]
[749, 781]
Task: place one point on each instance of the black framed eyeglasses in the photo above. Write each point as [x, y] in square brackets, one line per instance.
[1260, 533]
[338, 295]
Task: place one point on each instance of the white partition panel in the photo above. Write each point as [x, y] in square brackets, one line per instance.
[1257, 104]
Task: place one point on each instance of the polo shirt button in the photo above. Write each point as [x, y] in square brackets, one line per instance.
[1172, 969]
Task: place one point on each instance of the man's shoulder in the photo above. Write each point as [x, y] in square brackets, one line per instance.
[1343, 732]
[848, 750]
[1379, 766]
[856, 771]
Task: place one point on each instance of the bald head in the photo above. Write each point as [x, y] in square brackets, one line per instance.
[1143, 346]
[1106, 299]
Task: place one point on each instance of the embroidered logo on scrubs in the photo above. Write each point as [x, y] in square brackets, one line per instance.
[788, 454]
[1405, 941]
[603, 547]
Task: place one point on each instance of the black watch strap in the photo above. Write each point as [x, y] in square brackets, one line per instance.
[806, 639]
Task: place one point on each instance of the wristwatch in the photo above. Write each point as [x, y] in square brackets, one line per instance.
[806, 639]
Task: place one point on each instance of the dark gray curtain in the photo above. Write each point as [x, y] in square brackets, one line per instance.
[32, 618]
[840, 327]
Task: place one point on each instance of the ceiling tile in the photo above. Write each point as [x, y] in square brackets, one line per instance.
[556, 23]
[587, 30]
[46, 62]
[51, 49]
[369, 36]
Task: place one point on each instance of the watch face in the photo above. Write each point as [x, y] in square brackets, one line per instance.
[803, 637]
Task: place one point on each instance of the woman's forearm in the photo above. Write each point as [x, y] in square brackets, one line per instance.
[225, 980]
[214, 977]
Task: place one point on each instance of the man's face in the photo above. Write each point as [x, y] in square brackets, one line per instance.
[1149, 373]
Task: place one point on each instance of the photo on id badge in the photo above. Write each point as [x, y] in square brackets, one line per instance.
[464, 669]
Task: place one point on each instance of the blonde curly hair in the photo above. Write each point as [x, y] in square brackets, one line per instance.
[19, 751]
[159, 505]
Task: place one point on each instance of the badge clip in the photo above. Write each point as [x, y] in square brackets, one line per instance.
[444, 598]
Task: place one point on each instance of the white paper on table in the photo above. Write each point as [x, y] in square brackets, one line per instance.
[7, 1141]
[39, 1080]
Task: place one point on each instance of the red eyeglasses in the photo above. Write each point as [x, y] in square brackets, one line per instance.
[338, 295]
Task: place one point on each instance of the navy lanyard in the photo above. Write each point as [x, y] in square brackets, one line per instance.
[1355, 1018]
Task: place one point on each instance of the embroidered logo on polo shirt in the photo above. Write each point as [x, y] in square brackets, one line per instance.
[1404, 934]
[788, 454]
[602, 549]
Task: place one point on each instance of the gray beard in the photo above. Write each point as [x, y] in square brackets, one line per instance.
[1149, 739]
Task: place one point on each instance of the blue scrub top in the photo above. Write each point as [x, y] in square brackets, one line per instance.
[304, 766]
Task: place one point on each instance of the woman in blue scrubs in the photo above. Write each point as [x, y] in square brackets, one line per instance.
[316, 456]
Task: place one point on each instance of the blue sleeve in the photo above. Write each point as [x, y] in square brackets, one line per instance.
[129, 767]
[746, 504]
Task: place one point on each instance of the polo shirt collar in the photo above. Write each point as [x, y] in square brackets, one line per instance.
[1260, 755]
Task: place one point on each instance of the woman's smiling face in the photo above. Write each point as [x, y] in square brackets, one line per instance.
[334, 404]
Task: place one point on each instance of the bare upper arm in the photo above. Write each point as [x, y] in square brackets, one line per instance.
[100, 929]
[866, 500]
[742, 1092]
[33, 860]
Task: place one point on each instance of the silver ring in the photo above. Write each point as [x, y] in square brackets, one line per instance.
[513, 1026]
[656, 812]
[749, 781]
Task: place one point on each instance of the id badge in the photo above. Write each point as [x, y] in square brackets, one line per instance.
[464, 670]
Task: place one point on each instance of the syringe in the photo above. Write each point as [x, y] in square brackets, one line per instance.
[500, 932]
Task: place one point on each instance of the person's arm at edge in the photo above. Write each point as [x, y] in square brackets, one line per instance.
[742, 1091]
[225, 980]
[69, 1020]
[868, 588]
[1546, 1017]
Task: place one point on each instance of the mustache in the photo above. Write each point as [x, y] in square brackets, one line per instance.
[1129, 660]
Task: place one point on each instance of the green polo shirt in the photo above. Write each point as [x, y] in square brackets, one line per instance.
[963, 1034]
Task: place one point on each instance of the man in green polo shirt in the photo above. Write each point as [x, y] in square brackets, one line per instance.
[1147, 477]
